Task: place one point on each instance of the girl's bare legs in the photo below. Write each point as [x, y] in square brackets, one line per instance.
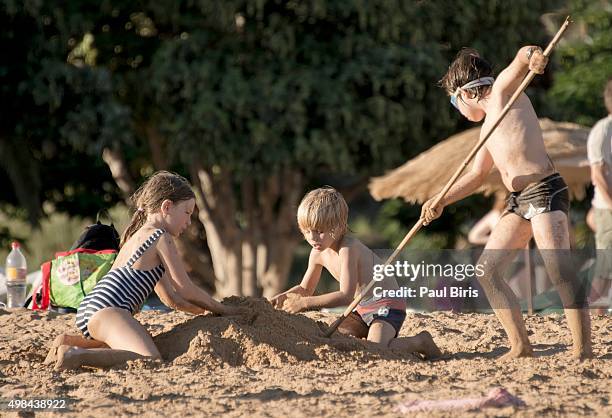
[72, 340]
[383, 333]
[126, 337]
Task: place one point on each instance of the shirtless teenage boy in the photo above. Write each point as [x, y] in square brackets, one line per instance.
[538, 202]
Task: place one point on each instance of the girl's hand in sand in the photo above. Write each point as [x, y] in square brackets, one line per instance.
[294, 303]
[278, 300]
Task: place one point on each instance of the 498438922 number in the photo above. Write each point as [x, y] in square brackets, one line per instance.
[36, 404]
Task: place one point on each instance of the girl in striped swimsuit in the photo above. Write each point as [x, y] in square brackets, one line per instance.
[147, 261]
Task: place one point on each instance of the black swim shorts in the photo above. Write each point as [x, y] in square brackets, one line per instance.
[547, 195]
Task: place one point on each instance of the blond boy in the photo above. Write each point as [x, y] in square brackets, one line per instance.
[322, 217]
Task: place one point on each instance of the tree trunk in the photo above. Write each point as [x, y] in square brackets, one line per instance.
[217, 212]
[283, 191]
[113, 157]
[254, 255]
[157, 147]
[249, 245]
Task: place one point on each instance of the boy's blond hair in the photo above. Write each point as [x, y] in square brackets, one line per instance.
[324, 210]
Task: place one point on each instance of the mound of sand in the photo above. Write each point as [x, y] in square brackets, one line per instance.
[264, 337]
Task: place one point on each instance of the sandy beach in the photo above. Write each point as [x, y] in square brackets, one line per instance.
[276, 364]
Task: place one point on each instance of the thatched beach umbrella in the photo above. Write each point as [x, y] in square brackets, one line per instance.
[425, 175]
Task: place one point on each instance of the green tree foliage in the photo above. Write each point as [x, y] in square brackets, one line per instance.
[345, 86]
[585, 62]
[255, 99]
[49, 106]
[348, 85]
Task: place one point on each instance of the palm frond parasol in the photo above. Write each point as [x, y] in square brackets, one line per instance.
[421, 178]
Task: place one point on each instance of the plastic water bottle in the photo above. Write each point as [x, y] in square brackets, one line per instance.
[16, 270]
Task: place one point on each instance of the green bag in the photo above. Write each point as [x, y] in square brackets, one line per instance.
[73, 275]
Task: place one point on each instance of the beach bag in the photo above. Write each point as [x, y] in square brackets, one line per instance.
[72, 274]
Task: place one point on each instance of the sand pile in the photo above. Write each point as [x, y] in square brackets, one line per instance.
[217, 366]
[264, 337]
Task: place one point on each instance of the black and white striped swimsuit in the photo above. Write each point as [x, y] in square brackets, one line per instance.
[123, 287]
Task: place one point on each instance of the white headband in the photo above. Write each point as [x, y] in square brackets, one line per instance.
[482, 81]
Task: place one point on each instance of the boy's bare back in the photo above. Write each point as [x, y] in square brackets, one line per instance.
[366, 260]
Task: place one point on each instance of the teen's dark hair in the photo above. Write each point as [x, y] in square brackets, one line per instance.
[467, 66]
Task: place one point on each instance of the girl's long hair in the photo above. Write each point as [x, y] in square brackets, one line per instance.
[162, 185]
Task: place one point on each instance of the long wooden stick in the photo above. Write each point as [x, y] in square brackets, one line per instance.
[452, 180]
